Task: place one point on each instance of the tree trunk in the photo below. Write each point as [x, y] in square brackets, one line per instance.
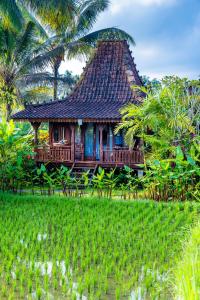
[56, 67]
[55, 84]
[8, 111]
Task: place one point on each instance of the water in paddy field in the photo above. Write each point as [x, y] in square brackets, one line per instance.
[46, 268]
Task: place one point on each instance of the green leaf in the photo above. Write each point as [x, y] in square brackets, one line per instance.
[179, 153]
[190, 160]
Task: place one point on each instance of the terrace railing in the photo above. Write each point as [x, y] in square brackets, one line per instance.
[59, 154]
[124, 156]
[54, 154]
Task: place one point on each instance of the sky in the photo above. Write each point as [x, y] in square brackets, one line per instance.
[166, 32]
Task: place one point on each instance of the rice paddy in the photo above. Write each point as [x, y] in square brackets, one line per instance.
[60, 248]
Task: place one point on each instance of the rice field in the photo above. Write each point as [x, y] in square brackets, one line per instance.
[59, 248]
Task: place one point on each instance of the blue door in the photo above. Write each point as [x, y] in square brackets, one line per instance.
[89, 141]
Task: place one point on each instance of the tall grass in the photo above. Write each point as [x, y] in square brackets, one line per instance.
[187, 273]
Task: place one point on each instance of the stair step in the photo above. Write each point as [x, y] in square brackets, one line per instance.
[82, 169]
[81, 172]
[78, 170]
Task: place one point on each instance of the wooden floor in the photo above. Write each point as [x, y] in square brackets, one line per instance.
[92, 164]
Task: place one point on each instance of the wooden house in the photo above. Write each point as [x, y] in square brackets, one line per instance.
[81, 127]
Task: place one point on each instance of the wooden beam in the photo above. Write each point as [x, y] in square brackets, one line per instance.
[69, 120]
[101, 143]
[72, 142]
[50, 134]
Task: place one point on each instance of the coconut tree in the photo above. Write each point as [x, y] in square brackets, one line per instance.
[66, 37]
[22, 57]
[77, 39]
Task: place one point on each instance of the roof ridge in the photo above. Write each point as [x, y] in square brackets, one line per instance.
[117, 57]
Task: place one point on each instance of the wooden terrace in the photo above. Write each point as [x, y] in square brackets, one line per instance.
[65, 155]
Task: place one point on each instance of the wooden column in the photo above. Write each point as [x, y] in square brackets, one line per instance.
[101, 142]
[72, 142]
[110, 137]
[94, 146]
[50, 134]
[35, 126]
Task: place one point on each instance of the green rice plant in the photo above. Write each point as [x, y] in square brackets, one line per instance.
[74, 296]
[104, 246]
[39, 293]
[187, 275]
[30, 285]
[117, 293]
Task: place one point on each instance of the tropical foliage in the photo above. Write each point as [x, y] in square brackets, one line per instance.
[21, 56]
[167, 122]
[15, 157]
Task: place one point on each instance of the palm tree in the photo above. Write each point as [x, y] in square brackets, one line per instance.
[23, 61]
[77, 39]
[70, 32]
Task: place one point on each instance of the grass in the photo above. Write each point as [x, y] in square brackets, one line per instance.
[187, 273]
[59, 248]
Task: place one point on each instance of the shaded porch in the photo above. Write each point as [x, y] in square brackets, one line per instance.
[86, 143]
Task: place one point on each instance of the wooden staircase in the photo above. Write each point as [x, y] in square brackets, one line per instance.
[77, 172]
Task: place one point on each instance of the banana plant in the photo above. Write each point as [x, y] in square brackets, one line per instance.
[62, 174]
[49, 179]
[110, 181]
[98, 181]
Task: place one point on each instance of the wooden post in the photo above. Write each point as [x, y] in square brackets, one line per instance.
[72, 142]
[101, 143]
[35, 126]
[50, 134]
[94, 146]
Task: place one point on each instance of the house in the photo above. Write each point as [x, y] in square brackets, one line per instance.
[81, 127]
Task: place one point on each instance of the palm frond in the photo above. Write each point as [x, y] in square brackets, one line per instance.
[7, 44]
[78, 49]
[11, 12]
[57, 14]
[36, 94]
[36, 78]
[111, 33]
[40, 62]
[88, 12]
[30, 16]
[25, 42]
[44, 78]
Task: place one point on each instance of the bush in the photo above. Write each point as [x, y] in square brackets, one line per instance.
[16, 157]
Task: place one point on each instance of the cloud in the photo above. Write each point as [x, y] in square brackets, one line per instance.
[157, 59]
[75, 66]
[167, 37]
[117, 6]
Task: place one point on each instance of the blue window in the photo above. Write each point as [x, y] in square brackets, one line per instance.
[119, 140]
